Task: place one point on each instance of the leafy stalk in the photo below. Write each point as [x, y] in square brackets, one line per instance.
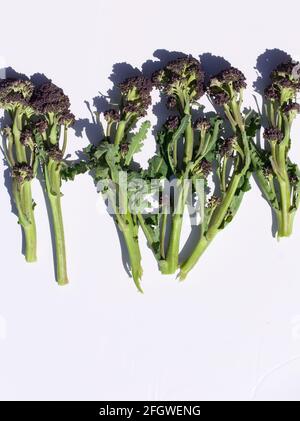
[52, 106]
[233, 161]
[277, 177]
[182, 80]
[113, 157]
[19, 147]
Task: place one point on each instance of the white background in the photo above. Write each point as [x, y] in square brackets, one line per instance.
[232, 330]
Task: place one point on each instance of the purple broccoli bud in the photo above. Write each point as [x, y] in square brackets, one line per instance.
[22, 173]
[213, 202]
[15, 93]
[41, 126]
[55, 153]
[26, 137]
[184, 74]
[136, 92]
[202, 124]
[227, 147]
[50, 99]
[273, 134]
[171, 102]
[204, 168]
[172, 123]
[111, 116]
[272, 93]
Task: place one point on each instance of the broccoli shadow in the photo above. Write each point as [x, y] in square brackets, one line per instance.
[39, 79]
[190, 243]
[11, 73]
[265, 64]
[212, 65]
[160, 109]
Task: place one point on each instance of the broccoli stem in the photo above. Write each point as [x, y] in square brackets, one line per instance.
[170, 264]
[284, 217]
[53, 183]
[285, 223]
[285, 220]
[214, 226]
[24, 203]
[130, 234]
[163, 231]
[16, 131]
[189, 140]
[120, 132]
[188, 265]
[146, 231]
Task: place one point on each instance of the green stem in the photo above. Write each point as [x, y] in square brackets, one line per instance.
[24, 203]
[223, 175]
[163, 231]
[195, 256]
[189, 141]
[130, 233]
[16, 131]
[65, 142]
[285, 220]
[120, 132]
[146, 231]
[53, 134]
[221, 210]
[53, 182]
[214, 225]
[271, 113]
[170, 264]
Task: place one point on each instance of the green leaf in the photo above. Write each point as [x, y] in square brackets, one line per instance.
[157, 168]
[136, 142]
[102, 149]
[252, 123]
[152, 222]
[101, 173]
[112, 158]
[260, 160]
[69, 172]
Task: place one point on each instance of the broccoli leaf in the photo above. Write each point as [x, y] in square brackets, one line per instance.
[252, 123]
[136, 142]
[69, 172]
[260, 160]
[157, 168]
